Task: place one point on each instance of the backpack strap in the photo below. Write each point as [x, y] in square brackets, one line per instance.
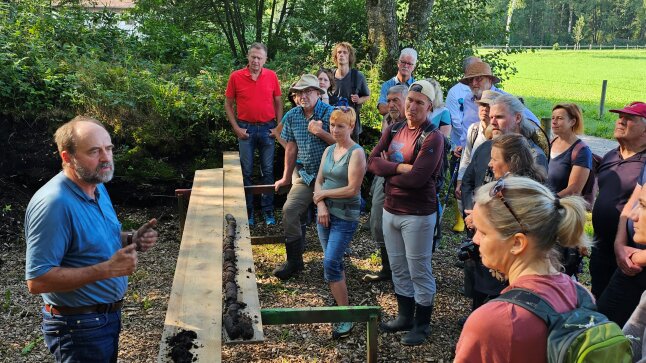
[540, 307]
[578, 145]
[420, 140]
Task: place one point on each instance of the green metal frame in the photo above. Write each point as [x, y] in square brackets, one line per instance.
[335, 314]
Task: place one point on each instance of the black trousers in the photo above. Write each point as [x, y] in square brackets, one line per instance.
[621, 296]
[602, 267]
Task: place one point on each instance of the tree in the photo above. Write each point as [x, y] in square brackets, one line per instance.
[383, 39]
[578, 31]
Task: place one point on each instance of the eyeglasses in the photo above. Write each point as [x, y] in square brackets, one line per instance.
[304, 92]
[497, 191]
[406, 63]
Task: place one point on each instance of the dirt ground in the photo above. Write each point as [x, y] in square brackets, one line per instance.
[150, 285]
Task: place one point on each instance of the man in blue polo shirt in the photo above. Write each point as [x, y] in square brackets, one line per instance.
[405, 67]
[78, 258]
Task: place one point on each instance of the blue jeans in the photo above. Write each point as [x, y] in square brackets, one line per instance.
[82, 338]
[334, 241]
[259, 138]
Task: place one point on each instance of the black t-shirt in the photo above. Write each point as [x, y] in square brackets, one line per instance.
[560, 167]
[617, 179]
[346, 87]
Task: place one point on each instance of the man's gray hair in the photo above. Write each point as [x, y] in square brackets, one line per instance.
[399, 89]
[468, 61]
[259, 46]
[409, 52]
[513, 104]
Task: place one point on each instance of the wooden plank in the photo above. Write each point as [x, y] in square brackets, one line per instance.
[195, 301]
[235, 204]
[268, 188]
[267, 240]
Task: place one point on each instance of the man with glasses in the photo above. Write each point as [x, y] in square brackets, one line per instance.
[306, 130]
[479, 78]
[405, 67]
[396, 100]
[255, 93]
[350, 84]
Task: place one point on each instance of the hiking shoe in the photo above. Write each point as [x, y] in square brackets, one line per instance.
[342, 330]
[269, 219]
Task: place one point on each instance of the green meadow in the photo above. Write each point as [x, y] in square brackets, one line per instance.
[547, 77]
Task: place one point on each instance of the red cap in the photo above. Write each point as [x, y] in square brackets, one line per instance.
[636, 108]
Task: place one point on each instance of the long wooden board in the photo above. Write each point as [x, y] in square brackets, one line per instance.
[235, 204]
[195, 301]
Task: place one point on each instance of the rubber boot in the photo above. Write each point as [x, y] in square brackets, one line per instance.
[303, 240]
[385, 273]
[294, 262]
[405, 313]
[422, 327]
[459, 221]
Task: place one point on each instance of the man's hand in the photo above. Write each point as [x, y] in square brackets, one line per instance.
[315, 127]
[146, 236]
[354, 98]
[627, 266]
[123, 262]
[458, 189]
[469, 219]
[281, 182]
[457, 152]
[241, 133]
[273, 133]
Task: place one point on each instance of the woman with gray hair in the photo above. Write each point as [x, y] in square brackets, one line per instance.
[518, 223]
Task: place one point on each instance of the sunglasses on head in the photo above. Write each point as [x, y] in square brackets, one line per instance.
[497, 191]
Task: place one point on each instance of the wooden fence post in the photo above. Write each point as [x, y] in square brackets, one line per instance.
[603, 98]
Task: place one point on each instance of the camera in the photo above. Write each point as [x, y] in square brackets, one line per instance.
[468, 251]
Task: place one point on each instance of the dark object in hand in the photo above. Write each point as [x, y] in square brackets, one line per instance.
[468, 251]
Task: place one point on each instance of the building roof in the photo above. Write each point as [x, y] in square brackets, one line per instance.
[115, 5]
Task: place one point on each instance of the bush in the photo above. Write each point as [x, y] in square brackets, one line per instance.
[556, 46]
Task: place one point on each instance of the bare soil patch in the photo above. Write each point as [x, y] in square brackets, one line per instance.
[149, 288]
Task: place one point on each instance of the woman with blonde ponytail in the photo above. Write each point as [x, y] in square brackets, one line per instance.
[519, 223]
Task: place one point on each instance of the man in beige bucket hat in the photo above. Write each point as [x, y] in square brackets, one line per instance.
[302, 159]
[479, 78]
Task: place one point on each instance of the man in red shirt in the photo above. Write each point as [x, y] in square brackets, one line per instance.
[255, 92]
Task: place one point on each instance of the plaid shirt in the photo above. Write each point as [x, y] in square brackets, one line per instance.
[310, 147]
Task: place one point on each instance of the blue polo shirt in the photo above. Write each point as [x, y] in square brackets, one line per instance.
[66, 228]
[383, 94]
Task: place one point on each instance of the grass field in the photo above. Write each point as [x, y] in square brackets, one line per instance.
[547, 77]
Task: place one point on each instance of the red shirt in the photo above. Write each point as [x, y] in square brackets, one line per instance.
[254, 99]
[499, 331]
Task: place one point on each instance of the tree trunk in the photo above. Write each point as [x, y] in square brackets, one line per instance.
[383, 35]
[569, 24]
[415, 30]
[510, 13]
